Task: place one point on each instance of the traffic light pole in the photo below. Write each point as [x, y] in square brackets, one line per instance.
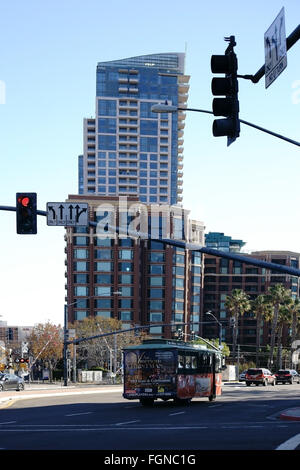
[247, 123]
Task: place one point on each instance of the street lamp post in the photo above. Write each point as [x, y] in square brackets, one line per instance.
[220, 327]
[66, 337]
[166, 108]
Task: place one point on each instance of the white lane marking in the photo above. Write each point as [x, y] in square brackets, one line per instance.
[79, 414]
[8, 422]
[290, 444]
[179, 413]
[127, 422]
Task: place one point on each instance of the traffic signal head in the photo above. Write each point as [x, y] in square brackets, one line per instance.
[227, 87]
[26, 210]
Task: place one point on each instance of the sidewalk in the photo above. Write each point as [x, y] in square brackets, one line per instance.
[39, 390]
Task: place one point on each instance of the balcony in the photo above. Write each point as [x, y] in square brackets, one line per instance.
[133, 81]
[182, 99]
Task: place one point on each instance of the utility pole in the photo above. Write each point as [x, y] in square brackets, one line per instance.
[238, 360]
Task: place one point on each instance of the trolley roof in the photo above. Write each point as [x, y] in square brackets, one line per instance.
[168, 344]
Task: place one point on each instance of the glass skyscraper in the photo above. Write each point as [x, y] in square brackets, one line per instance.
[128, 150]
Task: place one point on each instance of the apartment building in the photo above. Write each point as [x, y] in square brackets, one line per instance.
[221, 276]
[139, 281]
[128, 149]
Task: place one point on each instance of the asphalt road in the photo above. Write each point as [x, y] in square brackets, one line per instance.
[243, 418]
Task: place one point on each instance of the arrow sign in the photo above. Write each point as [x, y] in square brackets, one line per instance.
[66, 214]
[275, 49]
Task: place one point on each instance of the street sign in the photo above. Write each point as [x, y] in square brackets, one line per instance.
[275, 49]
[72, 333]
[67, 214]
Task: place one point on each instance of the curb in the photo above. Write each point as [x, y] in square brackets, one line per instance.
[293, 414]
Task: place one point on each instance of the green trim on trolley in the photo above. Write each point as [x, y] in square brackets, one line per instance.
[167, 344]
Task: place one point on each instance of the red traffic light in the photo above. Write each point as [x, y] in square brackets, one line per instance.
[26, 211]
[24, 201]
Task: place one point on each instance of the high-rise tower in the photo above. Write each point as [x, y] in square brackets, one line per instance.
[128, 150]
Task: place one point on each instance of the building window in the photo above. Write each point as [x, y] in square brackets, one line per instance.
[126, 254]
[156, 281]
[156, 317]
[103, 303]
[103, 254]
[178, 282]
[125, 303]
[156, 305]
[81, 253]
[103, 291]
[156, 269]
[103, 266]
[156, 293]
[81, 266]
[126, 315]
[81, 278]
[103, 279]
[178, 306]
[126, 291]
[80, 314]
[83, 241]
[126, 267]
[104, 242]
[125, 279]
[81, 291]
[156, 257]
[82, 303]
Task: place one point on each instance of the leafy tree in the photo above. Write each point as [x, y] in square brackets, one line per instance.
[45, 344]
[236, 304]
[100, 352]
[215, 342]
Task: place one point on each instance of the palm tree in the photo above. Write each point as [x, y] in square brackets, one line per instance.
[284, 318]
[236, 304]
[277, 295]
[293, 309]
[262, 310]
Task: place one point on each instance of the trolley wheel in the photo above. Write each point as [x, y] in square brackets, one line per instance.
[147, 401]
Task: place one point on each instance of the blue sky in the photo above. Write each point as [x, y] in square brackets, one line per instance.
[49, 52]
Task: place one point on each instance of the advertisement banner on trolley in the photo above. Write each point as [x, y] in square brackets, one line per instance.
[150, 372]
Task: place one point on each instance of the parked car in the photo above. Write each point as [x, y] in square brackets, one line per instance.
[11, 382]
[287, 376]
[260, 376]
[242, 376]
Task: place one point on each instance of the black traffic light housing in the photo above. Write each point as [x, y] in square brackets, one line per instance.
[226, 86]
[26, 210]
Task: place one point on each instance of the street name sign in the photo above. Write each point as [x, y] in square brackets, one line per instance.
[67, 214]
[275, 49]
